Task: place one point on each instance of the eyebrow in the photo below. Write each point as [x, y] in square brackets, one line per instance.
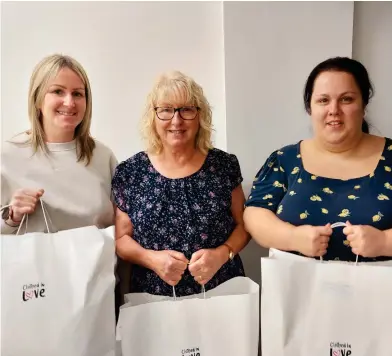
[62, 86]
[346, 92]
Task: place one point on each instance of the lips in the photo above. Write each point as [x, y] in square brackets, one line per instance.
[335, 123]
[66, 113]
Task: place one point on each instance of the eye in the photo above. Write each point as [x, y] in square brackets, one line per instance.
[347, 99]
[78, 94]
[322, 100]
[57, 91]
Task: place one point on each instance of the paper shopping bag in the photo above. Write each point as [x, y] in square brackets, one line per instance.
[57, 294]
[310, 307]
[223, 322]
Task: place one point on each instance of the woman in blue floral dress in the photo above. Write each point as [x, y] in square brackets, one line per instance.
[179, 203]
[342, 174]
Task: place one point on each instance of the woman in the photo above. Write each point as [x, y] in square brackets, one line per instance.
[57, 159]
[341, 174]
[180, 203]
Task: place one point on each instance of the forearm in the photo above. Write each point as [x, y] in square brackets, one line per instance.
[268, 230]
[7, 228]
[388, 243]
[129, 250]
[238, 239]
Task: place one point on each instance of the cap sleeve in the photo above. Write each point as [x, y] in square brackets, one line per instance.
[121, 187]
[235, 176]
[269, 185]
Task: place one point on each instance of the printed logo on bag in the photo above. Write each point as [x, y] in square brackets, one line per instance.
[195, 351]
[338, 349]
[33, 291]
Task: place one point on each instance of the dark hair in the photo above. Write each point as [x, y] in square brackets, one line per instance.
[342, 64]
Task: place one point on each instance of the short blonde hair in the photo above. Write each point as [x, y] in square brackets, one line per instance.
[167, 86]
[46, 70]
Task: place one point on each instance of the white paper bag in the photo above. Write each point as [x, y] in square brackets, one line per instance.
[310, 307]
[57, 295]
[226, 322]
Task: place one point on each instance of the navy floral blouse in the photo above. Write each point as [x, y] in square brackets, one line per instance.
[185, 215]
[283, 186]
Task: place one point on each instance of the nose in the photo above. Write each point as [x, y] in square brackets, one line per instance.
[69, 100]
[177, 120]
[333, 109]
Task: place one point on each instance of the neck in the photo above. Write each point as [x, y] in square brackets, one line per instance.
[59, 137]
[347, 147]
[179, 156]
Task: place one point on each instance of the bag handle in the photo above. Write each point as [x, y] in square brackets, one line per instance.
[340, 224]
[26, 217]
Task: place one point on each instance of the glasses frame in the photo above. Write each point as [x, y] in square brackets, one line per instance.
[175, 110]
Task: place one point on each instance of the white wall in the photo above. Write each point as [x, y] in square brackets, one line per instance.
[123, 46]
[270, 49]
[372, 45]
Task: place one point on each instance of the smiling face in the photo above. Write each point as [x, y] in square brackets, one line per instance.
[64, 105]
[177, 133]
[336, 107]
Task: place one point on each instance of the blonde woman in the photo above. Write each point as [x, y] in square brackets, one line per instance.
[57, 159]
[180, 202]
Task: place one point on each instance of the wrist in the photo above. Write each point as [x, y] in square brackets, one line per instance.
[223, 252]
[150, 259]
[292, 239]
[387, 243]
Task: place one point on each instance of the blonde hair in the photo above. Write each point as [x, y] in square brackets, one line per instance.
[168, 85]
[46, 70]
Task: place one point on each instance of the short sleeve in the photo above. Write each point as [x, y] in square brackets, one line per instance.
[121, 187]
[235, 175]
[269, 186]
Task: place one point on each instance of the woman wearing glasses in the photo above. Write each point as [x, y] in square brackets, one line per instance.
[179, 203]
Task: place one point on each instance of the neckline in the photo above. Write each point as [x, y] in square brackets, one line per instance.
[61, 146]
[202, 167]
[344, 180]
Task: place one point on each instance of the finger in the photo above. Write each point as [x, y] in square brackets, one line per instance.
[196, 256]
[348, 223]
[40, 192]
[350, 237]
[356, 251]
[324, 230]
[178, 256]
[324, 239]
[177, 265]
[30, 192]
[195, 269]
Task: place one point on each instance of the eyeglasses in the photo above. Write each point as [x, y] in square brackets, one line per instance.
[186, 112]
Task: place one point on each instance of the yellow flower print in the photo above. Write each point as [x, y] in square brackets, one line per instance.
[292, 193]
[304, 215]
[382, 158]
[324, 211]
[313, 177]
[388, 186]
[345, 213]
[279, 153]
[382, 197]
[299, 156]
[295, 170]
[346, 243]
[377, 217]
[284, 188]
[357, 187]
[371, 175]
[315, 198]
[327, 190]
[388, 169]
[270, 204]
[270, 164]
[255, 180]
[276, 169]
[277, 184]
[281, 169]
[353, 197]
[268, 196]
[253, 187]
[280, 209]
[299, 180]
[250, 197]
[389, 148]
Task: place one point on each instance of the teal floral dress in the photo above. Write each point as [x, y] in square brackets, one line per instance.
[283, 186]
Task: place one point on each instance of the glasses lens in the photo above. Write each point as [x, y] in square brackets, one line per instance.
[188, 112]
[165, 113]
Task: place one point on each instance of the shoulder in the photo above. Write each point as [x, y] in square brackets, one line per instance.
[16, 146]
[133, 163]
[222, 157]
[102, 150]
[388, 149]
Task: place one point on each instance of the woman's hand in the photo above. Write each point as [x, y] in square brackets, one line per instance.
[24, 201]
[365, 240]
[205, 263]
[169, 265]
[311, 241]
